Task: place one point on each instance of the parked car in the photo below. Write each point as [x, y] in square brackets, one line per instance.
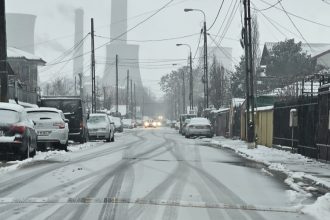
[177, 125]
[118, 124]
[18, 137]
[199, 127]
[74, 110]
[139, 122]
[183, 117]
[51, 126]
[99, 127]
[128, 123]
[184, 126]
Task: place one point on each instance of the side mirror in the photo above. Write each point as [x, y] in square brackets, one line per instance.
[66, 120]
[34, 123]
[88, 116]
[112, 123]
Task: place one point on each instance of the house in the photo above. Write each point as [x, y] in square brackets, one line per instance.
[23, 75]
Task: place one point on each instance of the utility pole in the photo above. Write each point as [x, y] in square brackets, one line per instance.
[131, 99]
[104, 97]
[81, 91]
[249, 74]
[183, 94]
[134, 102]
[191, 93]
[116, 83]
[206, 66]
[3, 53]
[75, 85]
[93, 68]
[127, 92]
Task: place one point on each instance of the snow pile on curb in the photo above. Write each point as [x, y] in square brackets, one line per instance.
[320, 209]
[277, 160]
[294, 166]
[40, 156]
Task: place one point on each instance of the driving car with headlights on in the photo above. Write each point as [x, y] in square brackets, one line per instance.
[99, 127]
[199, 127]
[150, 124]
[18, 138]
[51, 126]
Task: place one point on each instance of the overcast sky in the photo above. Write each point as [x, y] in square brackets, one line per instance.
[55, 28]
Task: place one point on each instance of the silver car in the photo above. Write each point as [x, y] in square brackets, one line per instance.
[199, 127]
[51, 126]
[99, 127]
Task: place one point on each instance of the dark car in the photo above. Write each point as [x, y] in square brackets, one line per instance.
[183, 118]
[74, 110]
[18, 138]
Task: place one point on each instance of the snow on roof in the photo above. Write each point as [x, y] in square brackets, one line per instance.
[307, 87]
[265, 108]
[17, 53]
[220, 110]
[313, 49]
[10, 106]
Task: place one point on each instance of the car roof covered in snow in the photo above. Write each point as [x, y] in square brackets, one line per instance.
[98, 114]
[10, 106]
[199, 121]
[48, 109]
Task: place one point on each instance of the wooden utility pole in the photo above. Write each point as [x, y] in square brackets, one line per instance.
[249, 73]
[3, 54]
[93, 68]
[183, 93]
[116, 83]
[131, 110]
[134, 102]
[127, 92]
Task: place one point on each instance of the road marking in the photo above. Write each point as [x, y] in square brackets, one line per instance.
[115, 200]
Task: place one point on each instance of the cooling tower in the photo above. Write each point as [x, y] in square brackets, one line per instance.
[20, 31]
[118, 21]
[78, 62]
[128, 54]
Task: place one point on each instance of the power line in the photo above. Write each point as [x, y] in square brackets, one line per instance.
[216, 18]
[295, 26]
[297, 16]
[271, 6]
[152, 40]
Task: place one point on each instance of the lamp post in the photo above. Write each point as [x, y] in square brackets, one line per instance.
[191, 100]
[205, 78]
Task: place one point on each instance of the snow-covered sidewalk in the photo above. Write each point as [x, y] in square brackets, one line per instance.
[304, 175]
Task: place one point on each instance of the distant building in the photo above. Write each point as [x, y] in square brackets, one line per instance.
[23, 75]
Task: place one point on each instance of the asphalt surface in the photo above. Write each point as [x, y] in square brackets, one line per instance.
[145, 174]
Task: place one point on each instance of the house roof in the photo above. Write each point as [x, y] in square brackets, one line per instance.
[17, 53]
[313, 49]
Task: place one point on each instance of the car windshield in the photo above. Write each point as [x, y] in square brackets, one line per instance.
[43, 115]
[8, 116]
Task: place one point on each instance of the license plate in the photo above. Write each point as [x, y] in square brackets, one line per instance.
[1, 133]
[43, 133]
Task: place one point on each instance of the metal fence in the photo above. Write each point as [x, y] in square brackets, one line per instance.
[302, 137]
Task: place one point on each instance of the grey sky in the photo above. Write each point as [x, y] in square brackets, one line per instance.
[54, 28]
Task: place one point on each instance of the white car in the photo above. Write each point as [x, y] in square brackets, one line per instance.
[99, 127]
[128, 123]
[199, 127]
[51, 126]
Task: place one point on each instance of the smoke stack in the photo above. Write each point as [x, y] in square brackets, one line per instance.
[78, 62]
[119, 20]
[20, 31]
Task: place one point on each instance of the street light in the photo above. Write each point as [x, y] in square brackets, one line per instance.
[191, 101]
[206, 82]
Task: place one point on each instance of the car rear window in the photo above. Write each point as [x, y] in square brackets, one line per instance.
[96, 119]
[8, 116]
[43, 115]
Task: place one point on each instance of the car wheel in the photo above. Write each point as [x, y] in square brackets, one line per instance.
[108, 139]
[187, 136]
[113, 138]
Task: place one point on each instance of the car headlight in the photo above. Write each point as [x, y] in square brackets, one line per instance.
[159, 124]
[146, 124]
[154, 124]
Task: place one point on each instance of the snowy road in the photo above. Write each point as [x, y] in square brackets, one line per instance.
[146, 174]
